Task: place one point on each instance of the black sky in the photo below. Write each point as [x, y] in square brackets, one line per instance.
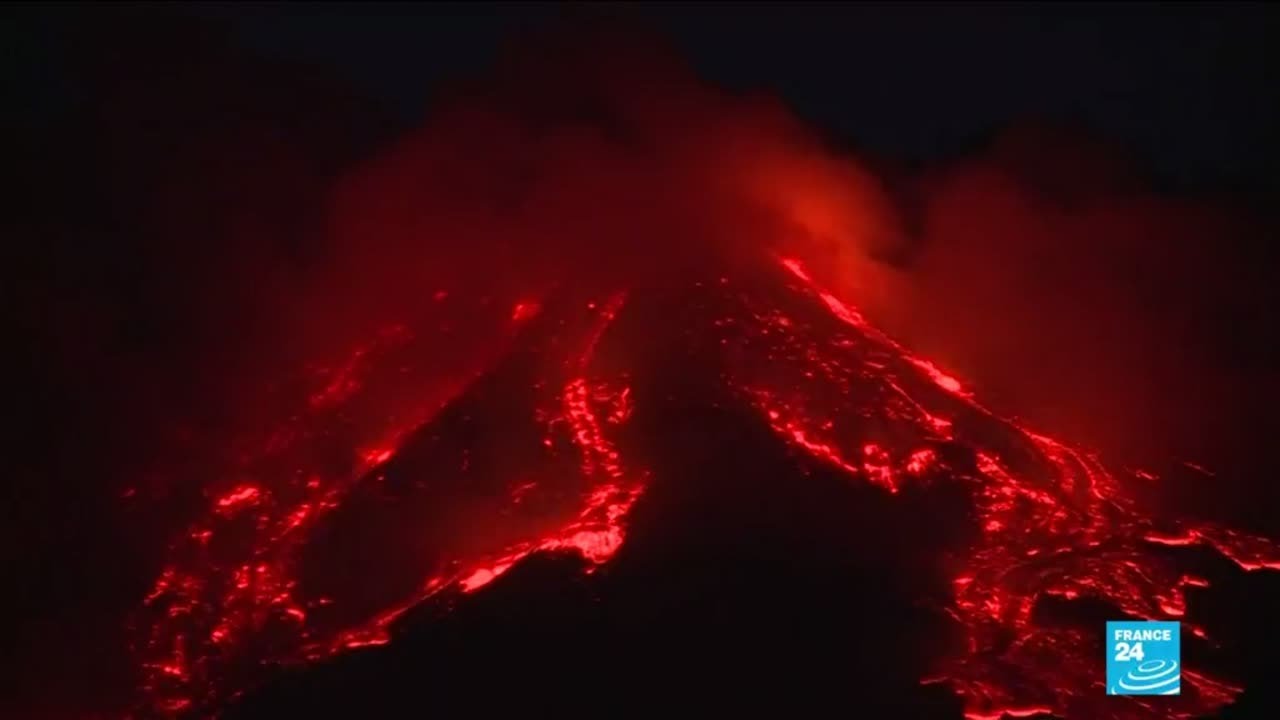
[1188, 87]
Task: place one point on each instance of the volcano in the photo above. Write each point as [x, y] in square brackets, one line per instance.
[726, 487]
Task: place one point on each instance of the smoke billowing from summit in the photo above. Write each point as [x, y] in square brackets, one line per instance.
[600, 157]
[1041, 266]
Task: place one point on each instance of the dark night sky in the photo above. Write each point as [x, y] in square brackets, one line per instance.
[1187, 87]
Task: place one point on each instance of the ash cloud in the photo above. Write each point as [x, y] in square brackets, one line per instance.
[1049, 273]
[604, 160]
[1042, 267]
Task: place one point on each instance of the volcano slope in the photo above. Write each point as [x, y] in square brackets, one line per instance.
[724, 490]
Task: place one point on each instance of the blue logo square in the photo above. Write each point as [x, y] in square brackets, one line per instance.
[1144, 658]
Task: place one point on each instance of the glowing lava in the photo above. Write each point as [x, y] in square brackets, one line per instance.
[1051, 521]
[1054, 521]
[233, 580]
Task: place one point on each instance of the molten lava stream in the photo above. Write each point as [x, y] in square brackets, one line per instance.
[236, 592]
[533, 441]
[1053, 520]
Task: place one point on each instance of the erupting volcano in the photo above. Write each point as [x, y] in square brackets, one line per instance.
[642, 360]
[390, 491]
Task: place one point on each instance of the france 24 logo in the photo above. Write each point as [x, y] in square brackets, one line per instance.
[1144, 658]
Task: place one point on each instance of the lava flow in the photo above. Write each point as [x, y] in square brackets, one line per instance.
[242, 586]
[1054, 522]
[450, 488]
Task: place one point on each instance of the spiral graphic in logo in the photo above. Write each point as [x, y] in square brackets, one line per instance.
[1153, 677]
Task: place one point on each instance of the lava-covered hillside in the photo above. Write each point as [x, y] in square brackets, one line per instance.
[726, 484]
